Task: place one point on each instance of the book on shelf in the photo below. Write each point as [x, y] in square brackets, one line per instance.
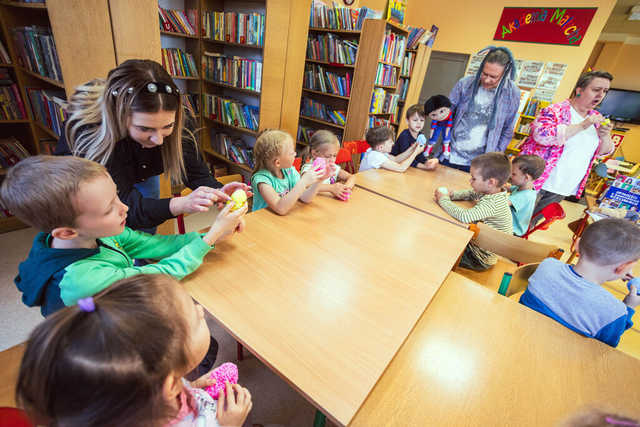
[234, 27]
[47, 145]
[333, 17]
[233, 149]
[407, 64]
[179, 63]
[11, 152]
[383, 102]
[231, 112]
[305, 133]
[317, 110]
[396, 10]
[367, 13]
[316, 78]
[37, 51]
[524, 128]
[375, 121]
[534, 106]
[178, 21]
[49, 108]
[331, 48]
[403, 86]
[417, 35]
[11, 105]
[235, 71]
[393, 47]
[386, 75]
[4, 54]
[190, 102]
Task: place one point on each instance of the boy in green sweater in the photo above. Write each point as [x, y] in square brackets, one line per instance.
[84, 245]
[489, 172]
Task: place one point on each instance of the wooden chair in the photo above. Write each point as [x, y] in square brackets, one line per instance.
[357, 149]
[511, 250]
[345, 160]
[517, 282]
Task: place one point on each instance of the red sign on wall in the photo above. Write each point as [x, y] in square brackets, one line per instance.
[555, 25]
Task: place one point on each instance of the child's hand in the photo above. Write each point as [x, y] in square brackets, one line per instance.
[312, 176]
[431, 164]
[200, 200]
[233, 406]
[225, 224]
[204, 381]
[632, 299]
[233, 186]
[340, 191]
[417, 148]
[437, 194]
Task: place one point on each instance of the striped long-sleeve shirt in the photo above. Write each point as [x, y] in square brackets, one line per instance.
[492, 209]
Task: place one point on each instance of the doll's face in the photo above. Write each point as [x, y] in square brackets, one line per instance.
[439, 114]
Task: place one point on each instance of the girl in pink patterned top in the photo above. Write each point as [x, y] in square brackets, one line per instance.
[118, 359]
[569, 136]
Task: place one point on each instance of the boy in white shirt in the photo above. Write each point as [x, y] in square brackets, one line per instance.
[378, 156]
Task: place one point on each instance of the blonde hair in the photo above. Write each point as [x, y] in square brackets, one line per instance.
[40, 189]
[100, 111]
[269, 145]
[318, 139]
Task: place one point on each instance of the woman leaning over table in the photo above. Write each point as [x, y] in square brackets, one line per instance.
[569, 136]
[133, 124]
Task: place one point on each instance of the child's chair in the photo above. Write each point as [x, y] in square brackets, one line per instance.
[14, 417]
[517, 282]
[297, 163]
[552, 212]
[357, 150]
[345, 160]
[511, 250]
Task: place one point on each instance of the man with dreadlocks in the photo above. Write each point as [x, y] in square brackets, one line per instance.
[485, 108]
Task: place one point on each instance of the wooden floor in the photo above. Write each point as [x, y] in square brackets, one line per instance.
[560, 235]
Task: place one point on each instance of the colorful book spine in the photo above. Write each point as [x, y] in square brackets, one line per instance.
[317, 110]
[178, 21]
[37, 51]
[11, 105]
[11, 152]
[305, 133]
[383, 102]
[233, 149]
[407, 64]
[333, 17]
[234, 71]
[234, 27]
[393, 48]
[331, 48]
[415, 36]
[375, 121]
[49, 108]
[403, 86]
[179, 63]
[191, 104]
[4, 54]
[316, 78]
[231, 112]
[386, 75]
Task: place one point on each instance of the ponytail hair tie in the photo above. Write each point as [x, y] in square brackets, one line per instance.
[86, 304]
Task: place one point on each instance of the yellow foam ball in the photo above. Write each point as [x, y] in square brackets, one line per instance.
[238, 199]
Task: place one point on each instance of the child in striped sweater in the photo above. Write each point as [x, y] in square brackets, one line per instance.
[489, 172]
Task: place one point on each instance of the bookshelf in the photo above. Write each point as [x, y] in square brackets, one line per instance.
[522, 127]
[417, 60]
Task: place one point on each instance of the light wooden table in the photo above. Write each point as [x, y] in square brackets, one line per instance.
[415, 187]
[326, 295]
[476, 358]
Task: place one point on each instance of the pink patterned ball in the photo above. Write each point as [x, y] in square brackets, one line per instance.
[319, 163]
[225, 372]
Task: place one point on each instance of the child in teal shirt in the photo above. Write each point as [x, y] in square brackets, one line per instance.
[276, 183]
[524, 171]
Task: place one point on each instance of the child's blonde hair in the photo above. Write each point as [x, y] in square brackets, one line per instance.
[107, 366]
[269, 145]
[40, 189]
[318, 139]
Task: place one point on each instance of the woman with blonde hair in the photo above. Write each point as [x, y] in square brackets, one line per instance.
[133, 123]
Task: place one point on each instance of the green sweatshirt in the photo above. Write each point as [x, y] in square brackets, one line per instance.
[180, 255]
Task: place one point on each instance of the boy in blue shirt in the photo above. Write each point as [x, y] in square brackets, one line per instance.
[415, 123]
[572, 295]
[524, 171]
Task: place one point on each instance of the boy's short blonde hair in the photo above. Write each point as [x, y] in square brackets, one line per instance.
[415, 109]
[493, 165]
[610, 242]
[378, 135]
[39, 190]
[530, 165]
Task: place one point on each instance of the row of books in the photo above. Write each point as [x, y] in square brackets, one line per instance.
[417, 35]
[47, 145]
[316, 78]
[385, 102]
[524, 128]
[305, 133]
[4, 54]
[533, 107]
[230, 111]
[407, 64]
[11, 152]
[190, 102]
[235, 71]
[375, 121]
[232, 148]
[386, 75]
[333, 17]
[403, 86]
[37, 51]
[234, 27]
[393, 47]
[48, 108]
[318, 110]
[331, 48]
[179, 63]
[178, 21]
[11, 105]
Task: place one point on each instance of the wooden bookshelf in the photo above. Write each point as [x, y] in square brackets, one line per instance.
[174, 34]
[330, 64]
[322, 122]
[329, 30]
[317, 92]
[416, 80]
[23, 5]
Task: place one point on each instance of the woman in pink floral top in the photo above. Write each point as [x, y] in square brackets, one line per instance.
[569, 136]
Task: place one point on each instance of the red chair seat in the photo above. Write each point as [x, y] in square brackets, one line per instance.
[552, 212]
[14, 417]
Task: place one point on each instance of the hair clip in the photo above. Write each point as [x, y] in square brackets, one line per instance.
[86, 304]
[130, 90]
[617, 422]
[152, 87]
[114, 92]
